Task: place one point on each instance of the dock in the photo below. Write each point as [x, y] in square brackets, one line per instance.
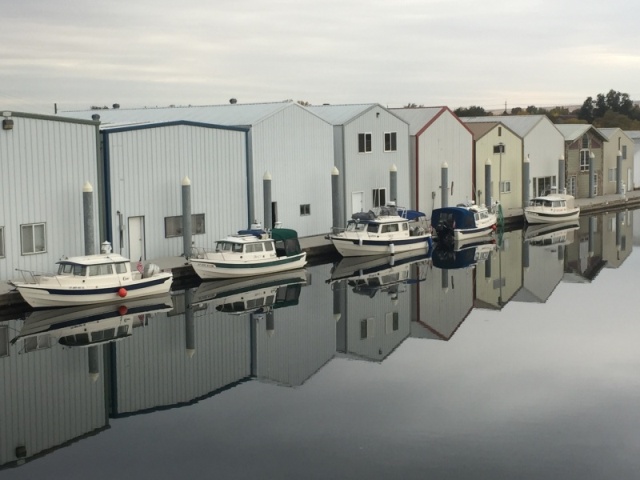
[319, 249]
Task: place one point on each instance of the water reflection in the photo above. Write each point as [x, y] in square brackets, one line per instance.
[279, 331]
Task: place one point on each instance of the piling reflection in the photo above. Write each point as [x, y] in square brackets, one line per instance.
[280, 329]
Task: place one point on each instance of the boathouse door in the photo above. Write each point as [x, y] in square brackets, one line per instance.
[136, 238]
[357, 202]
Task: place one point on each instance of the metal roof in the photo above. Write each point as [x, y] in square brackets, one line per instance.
[228, 114]
[633, 134]
[417, 118]
[521, 125]
[480, 129]
[340, 114]
[573, 131]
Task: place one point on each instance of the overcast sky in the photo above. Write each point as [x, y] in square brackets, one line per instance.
[77, 53]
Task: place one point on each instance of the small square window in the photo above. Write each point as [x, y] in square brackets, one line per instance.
[498, 148]
[33, 238]
[305, 209]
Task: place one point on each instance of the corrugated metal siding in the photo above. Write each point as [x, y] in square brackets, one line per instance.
[147, 168]
[443, 309]
[301, 343]
[296, 148]
[446, 140]
[46, 164]
[155, 370]
[47, 398]
[505, 263]
[366, 171]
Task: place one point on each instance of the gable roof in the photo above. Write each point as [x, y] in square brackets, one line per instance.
[610, 132]
[417, 118]
[573, 131]
[228, 114]
[480, 129]
[521, 125]
[343, 114]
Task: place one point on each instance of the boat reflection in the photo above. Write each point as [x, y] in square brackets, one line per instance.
[368, 276]
[252, 295]
[551, 234]
[88, 325]
[464, 254]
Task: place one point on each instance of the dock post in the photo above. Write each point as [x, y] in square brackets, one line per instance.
[592, 161]
[444, 172]
[562, 186]
[526, 180]
[189, 323]
[336, 206]
[487, 183]
[266, 189]
[87, 210]
[186, 217]
[619, 173]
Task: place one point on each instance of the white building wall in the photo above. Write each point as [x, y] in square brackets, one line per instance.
[296, 148]
[147, 167]
[365, 172]
[500, 276]
[544, 145]
[46, 162]
[155, 369]
[445, 140]
[47, 397]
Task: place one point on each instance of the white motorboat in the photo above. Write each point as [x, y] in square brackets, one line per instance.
[552, 209]
[386, 232]
[253, 294]
[90, 279]
[250, 253]
[88, 325]
[464, 221]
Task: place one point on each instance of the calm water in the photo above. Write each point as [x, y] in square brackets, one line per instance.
[525, 365]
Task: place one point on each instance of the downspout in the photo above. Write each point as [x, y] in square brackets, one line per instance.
[417, 179]
[108, 221]
[250, 193]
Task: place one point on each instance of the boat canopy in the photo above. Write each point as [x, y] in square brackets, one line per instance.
[288, 238]
[410, 214]
[459, 217]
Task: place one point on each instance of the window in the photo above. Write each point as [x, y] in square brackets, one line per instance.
[390, 144]
[121, 268]
[498, 148]
[584, 160]
[4, 341]
[543, 185]
[499, 131]
[254, 248]
[305, 209]
[505, 187]
[571, 186]
[624, 152]
[364, 142]
[33, 238]
[392, 322]
[379, 197]
[367, 328]
[1, 242]
[612, 174]
[98, 270]
[595, 184]
[585, 141]
[173, 225]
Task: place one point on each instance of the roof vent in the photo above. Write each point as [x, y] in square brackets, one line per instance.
[95, 117]
[116, 105]
[233, 101]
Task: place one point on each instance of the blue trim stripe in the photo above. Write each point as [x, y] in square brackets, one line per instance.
[383, 243]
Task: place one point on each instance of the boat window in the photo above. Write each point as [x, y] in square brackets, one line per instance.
[390, 228]
[268, 246]
[71, 340]
[405, 226]
[372, 228]
[121, 267]
[97, 270]
[546, 203]
[253, 248]
[223, 247]
[70, 269]
[123, 331]
[355, 227]
[236, 247]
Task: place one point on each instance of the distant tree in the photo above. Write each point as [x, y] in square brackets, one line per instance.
[413, 105]
[613, 119]
[472, 111]
[517, 111]
[304, 103]
[586, 110]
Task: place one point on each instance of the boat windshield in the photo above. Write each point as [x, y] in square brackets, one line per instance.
[228, 247]
[72, 269]
[356, 227]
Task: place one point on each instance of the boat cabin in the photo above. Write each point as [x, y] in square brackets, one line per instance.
[457, 217]
[548, 202]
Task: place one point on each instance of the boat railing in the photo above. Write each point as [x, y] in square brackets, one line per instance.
[29, 276]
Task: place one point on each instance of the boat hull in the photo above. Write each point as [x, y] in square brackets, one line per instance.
[463, 234]
[538, 216]
[355, 247]
[49, 296]
[216, 269]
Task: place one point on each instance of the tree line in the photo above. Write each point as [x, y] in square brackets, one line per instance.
[611, 109]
